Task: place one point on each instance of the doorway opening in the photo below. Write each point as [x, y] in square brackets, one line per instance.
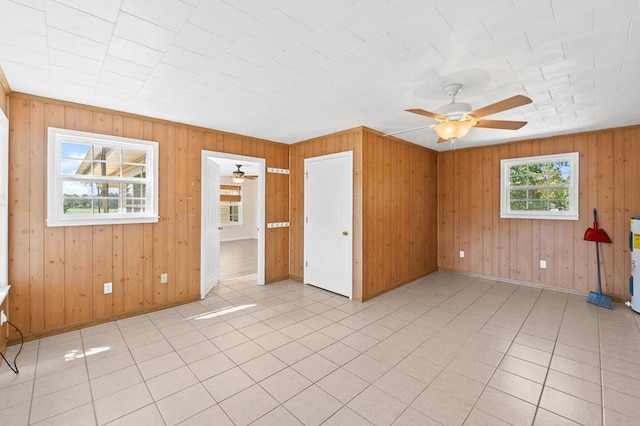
[233, 212]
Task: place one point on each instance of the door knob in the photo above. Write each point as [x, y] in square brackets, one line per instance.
[220, 228]
[345, 233]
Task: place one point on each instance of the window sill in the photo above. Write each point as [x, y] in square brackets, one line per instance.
[102, 221]
[540, 216]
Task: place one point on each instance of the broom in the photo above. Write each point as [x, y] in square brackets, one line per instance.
[599, 236]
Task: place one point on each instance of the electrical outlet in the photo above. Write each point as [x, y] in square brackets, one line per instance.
[3, 318]
[108, 288]
[543, 264]
[461, 253]
[164, 278]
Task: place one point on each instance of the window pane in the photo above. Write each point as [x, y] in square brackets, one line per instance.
[537, 194]
[233, 214]
[133, 170]
[538, 176]
[518, 205]
[518, 176]
[134, 156]
[77, 151]
[73, 167]
[77, 197]
[103, 205]
[538, 187]
[75, 159]
[539, 199]
[76, 205]
[92, 175]
[134, 189]
[77, 188]
[134, 197]
[518, 194]
[113, 189]
[538, 205]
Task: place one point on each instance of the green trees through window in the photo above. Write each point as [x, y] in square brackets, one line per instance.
[542, 187]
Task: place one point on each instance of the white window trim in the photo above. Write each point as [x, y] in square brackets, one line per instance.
[4, 206]
[55, 208]
[571, 214]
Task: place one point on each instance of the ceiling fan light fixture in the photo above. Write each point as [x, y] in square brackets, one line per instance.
[456, 118]
[238, 175]
[454, 129]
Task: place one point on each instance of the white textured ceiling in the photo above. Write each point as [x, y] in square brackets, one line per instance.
[289, 70]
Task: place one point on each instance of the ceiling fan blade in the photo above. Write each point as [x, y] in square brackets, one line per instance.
[427, 113]
[251, 176]
[440, 140]
[501, 124]
[406, 130]
[500, 106]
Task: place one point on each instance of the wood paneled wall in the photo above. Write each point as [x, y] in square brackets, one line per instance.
[399, 209]
[469, 214]
[395, 214]
[57, 274]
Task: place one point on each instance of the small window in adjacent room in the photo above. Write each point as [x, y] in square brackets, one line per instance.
[231, 204]
[95, 179]
[542, 187]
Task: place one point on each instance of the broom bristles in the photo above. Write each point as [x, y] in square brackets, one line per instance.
[600, 299]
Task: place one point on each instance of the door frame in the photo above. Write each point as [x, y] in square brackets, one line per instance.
[349, 154]
[205, 192]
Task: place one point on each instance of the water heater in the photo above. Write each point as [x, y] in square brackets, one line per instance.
[634, 280]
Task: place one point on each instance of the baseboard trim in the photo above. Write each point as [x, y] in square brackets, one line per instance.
[527, 284]
[84, 324]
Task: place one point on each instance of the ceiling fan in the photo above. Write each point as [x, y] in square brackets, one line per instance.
[456, 118]
[238, 176]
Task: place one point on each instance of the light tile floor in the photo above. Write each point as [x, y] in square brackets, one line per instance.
[446, 349]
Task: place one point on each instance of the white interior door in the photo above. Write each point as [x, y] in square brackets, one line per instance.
[210, 262]
[328, 209]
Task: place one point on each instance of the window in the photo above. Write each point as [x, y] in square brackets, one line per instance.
[97, 179]
[231, 204]
[543, 187]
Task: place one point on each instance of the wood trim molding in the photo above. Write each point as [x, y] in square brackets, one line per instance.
[522, 283]
[4, 83]
[84, 324]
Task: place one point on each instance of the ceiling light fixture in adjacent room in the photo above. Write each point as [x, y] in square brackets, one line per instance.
[238, 175]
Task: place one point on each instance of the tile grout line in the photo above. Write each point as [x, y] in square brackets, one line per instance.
[486, 385]
[546, 374]
[86, 366]
[602, 410]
